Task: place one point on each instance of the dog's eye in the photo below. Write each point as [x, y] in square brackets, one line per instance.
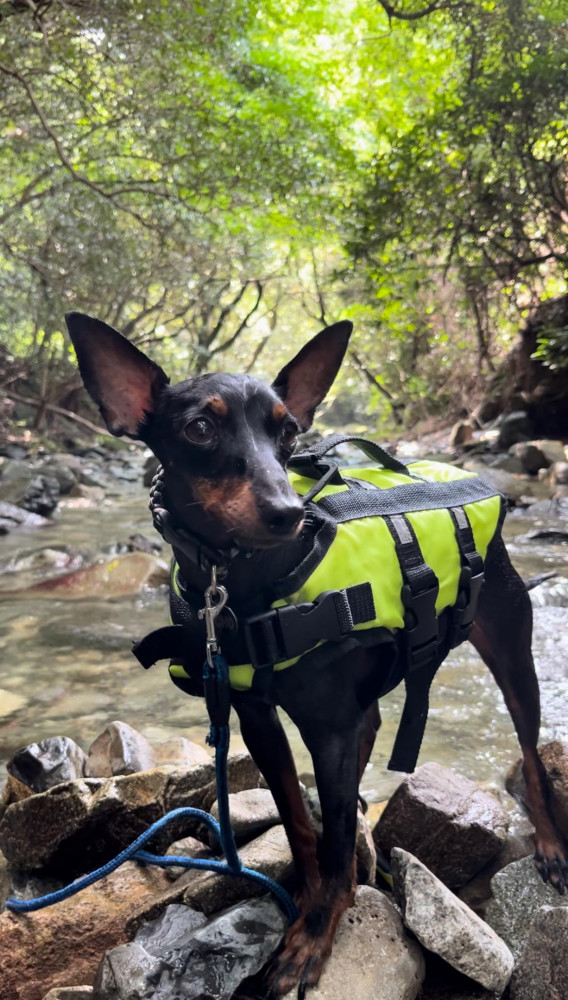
[289, 435]
[200, 431]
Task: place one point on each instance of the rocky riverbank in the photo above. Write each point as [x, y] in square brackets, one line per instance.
[448, 900]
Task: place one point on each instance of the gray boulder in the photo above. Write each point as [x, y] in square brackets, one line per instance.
[70, 993]
[518, 894]
[52, 761]
[373, 957]
[12, 516]
[252, 811]
[119, 749]
[447, 821]
[531, 457]
[446, 926]
[183, 955]
[542, 972]
[516, 426]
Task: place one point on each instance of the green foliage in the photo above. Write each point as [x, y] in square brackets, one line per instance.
[220, 179]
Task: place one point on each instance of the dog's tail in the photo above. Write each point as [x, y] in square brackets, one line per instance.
[535, 581]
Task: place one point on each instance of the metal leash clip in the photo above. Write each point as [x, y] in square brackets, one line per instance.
[216, 597]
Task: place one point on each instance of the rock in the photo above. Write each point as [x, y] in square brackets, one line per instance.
[252, 811]
[460, 434]
[373, 957]
[530, 456]
[477, 892]
[81, 824]
[542, 973]
[92, 476]
[450, 824]
[180, 751]
[48, 763]
[70, 993]
[554, 451]
[505, 482]
[25, 487]
[119, 749]
[124, 575]
[176, 957]
[94, 494]
[508, 463]
[12, 517]
[10, 702]
[63, 471]
[62, 945]
[446, 926]
[518, 892]
[270, 854]
[187, 847]
[554, 756]
[514, 427]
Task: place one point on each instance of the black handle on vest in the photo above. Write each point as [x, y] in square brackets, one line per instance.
[370, 448]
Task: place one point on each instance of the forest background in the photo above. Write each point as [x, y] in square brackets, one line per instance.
[219, 179]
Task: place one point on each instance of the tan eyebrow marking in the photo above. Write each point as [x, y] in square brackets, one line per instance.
[218, 405]
[279, 411]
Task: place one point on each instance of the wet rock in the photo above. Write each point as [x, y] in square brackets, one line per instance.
[94, 494]
[93, 476]
[514, 427]
[460, 434]
[27, 488]
[187, 847]
[207, 892]
[139, 543]
[270, 854]
[12, 516]
[518, 893]
[62, 945]
[124, 575]
[531, 457]
[123, 472]
[554, 756]
[450, 824]
[505, 482]
[508, 463]
[48, 763]
[554, 451]
[79, 825]
[119, 749]
[477, 892]
[446, 926]
[180, 751]
[64, 471]
[175, 957]
[373, 957]
[70, 993]
[542, 972]
[252, 812]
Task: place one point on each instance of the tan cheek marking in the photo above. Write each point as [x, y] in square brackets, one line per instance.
[232, 502]
[279, 411]
[218, 406]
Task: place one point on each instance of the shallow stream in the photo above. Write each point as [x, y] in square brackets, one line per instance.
[67, 667]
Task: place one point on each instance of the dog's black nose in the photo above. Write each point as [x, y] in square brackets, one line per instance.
[281, 519]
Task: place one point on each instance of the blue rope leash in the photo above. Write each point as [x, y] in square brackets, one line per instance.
[218, 737]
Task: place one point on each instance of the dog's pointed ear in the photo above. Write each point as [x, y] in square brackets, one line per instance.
[122, 381]
[306, 380]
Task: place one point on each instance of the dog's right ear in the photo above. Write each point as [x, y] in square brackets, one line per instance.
[122, 381]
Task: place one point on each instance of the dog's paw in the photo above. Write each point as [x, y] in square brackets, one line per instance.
[552, 865]
[300, 964]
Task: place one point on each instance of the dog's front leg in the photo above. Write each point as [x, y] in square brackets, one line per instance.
[324, 706]
[268, 745]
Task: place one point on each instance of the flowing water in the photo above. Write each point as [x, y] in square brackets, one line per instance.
[67, 667]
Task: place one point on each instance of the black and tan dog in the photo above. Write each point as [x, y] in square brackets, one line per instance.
[224, 442]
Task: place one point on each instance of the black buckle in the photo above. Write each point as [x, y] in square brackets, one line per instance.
[421, 625]
[282, 633]
[469, 588]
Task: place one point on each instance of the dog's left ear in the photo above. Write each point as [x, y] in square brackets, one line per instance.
[306, 380]
[122, 381]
